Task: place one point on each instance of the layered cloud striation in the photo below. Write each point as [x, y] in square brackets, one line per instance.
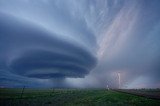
[85, 43]
[31, 51]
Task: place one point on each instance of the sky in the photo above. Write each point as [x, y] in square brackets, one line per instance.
[80, 43]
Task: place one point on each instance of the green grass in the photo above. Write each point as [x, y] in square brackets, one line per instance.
[72, 97]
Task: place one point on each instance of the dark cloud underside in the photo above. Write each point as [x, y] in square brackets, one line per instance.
[85, 43]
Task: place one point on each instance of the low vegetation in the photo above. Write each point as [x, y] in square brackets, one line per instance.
[71, 97]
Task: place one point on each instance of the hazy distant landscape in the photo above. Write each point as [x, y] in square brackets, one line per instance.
[73, 97]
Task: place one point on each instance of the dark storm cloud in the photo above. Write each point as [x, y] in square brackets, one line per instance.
[60, 42]
[31, 51]
[8, 79]
[55, 16]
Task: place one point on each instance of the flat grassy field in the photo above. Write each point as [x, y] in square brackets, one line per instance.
[71, 97]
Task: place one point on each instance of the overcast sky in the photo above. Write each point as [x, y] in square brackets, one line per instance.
[80, 43]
